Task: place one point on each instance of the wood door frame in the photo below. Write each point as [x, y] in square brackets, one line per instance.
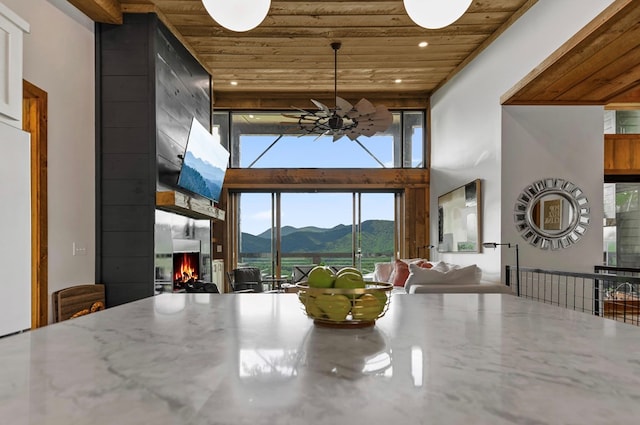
[34, 121]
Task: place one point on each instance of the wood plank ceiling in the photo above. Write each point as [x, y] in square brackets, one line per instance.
[288, 58]
[600, 65]
[289, 55]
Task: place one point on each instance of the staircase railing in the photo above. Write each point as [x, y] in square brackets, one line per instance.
[610, 295]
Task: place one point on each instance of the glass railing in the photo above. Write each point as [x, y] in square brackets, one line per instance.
[366, 263]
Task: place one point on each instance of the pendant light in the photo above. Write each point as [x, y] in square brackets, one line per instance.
[434, 14]
[238, 15]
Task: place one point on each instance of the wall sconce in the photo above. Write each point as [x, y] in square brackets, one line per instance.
[508, 245]
[238, 15]
[434, 14]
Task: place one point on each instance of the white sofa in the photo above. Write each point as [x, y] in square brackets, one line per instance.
[440, 277]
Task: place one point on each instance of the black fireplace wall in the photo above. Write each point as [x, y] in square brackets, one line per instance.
[148, 88]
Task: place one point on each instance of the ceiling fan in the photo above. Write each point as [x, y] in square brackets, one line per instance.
[344, 119]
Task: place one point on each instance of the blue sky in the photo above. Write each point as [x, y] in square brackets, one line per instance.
[313, 152]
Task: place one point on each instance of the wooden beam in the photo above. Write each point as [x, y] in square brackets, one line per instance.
[269, 100]
[182, 204]
[297, 179]
[105, 11]
[570, 52]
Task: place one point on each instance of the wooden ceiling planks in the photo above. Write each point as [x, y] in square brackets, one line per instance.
[600, 65]
[290, 53]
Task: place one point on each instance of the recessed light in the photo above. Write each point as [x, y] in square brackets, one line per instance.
[397, 81]
[234, 83]
[423, 44]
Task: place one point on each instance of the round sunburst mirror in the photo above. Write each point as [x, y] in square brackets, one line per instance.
[552, 213]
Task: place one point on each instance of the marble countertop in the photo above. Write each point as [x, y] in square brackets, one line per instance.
[257, 359]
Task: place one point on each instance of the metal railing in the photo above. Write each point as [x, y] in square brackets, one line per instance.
[608, 295]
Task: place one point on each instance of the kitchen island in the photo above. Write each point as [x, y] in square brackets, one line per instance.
[257, 359]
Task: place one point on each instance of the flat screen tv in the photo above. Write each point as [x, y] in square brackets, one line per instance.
[204, 163]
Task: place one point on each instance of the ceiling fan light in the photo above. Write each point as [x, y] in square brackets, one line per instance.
[434, 14]
[238, 15]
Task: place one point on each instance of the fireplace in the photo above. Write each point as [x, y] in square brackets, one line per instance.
[186, 269]
[182, 251]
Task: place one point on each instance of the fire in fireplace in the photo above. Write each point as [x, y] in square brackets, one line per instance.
[186, 269]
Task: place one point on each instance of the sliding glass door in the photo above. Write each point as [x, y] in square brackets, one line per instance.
[280, 230]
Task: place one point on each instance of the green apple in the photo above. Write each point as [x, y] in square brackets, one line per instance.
[348, 269]
[310, 305]
[336, 307]
[321, 277]
[367, 307]
[381, 296]
[349, 280]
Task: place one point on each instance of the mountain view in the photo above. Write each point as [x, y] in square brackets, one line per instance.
[377, 238]
[201, 177]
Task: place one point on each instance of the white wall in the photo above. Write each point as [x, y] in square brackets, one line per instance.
[554, 141]
[466, 128]
[59, 58]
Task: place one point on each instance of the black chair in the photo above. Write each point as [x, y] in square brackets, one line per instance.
[245, 279]
[300, 273]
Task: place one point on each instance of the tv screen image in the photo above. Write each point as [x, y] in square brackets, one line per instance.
[204, 163]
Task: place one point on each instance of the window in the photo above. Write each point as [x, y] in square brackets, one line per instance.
[331, 228]
[264, 140]
[277, 227]
[622, 219]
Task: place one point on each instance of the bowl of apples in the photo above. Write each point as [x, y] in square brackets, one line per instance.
[343, 299]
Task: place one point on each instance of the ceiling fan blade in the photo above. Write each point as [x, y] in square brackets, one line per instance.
[324, 108]
[364, 107]
[295, 117]
[382, 110]
[302, 110]
[342, 107]
[352, 134]
[384, 118]
[368, 131]
[320, 135]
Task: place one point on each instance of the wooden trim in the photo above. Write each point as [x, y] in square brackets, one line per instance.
[182, 204]
[34, 121]
[573, 50]
[106, 11]
[622, 154]
[302, 179]
[266, 100]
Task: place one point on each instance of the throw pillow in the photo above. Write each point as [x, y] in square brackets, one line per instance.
[424, 264]
[441, 266]
[382, 272]
[421, 276]
[400, 273]
[467, 275]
